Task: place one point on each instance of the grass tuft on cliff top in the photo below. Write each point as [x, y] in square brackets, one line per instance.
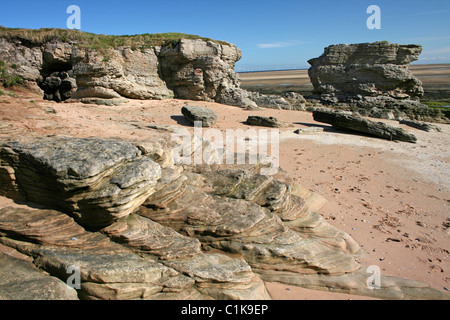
[96, 41]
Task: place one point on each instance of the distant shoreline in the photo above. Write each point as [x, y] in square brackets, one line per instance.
[302, 69]
[435, 79]
[275, 70]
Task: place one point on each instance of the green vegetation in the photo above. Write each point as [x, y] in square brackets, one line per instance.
[436, 100]
[444, 111]
[5, 78]
[97, 41]
[8, 93]
[434, 103]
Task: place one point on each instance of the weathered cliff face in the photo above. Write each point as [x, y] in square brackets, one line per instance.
[121, 72]
[363, 72]
[188, 69]
[29, 58]
[204, 70]
[198, 70]
[191, 69]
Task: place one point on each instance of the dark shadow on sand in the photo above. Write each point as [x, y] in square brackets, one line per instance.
[182, 121]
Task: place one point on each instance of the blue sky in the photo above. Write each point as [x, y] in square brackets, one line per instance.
[274, 34]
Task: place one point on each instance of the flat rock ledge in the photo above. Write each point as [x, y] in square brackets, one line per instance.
[136, 226]
[96, 181]
[22, 280]
[357, 123]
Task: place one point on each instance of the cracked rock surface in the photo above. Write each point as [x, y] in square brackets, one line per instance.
[142, 229]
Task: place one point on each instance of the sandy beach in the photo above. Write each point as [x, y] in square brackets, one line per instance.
[436, 73]
[392, 198]
[435, 79]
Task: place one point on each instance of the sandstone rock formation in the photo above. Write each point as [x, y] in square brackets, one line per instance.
[21, 280]
[201, 232]
[96, 181]
[353, 122]
[120, 72]
[199, 70]
[195, 69]
[272, 101]
[205, 116]
[367, 69]
[111, 271]
[368, 75]
[266, 122]
[421, 125]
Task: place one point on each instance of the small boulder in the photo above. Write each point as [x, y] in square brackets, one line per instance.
[194, 113]
[266, 122]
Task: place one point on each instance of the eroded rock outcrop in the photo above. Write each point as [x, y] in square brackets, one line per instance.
[21, 280]
[367, 76]
[367, 69]
[109, 270]
[356, 123]
[97, 181]
[195, 69]
[199, 70]
[59, 86]
[202, 232]
[120, 72]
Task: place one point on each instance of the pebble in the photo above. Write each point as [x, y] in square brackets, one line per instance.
[381, 259]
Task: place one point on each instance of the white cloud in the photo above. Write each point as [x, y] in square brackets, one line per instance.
[280, 44]
[440, 55]
[439, 58]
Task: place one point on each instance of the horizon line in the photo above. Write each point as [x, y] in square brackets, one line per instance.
[304, 68]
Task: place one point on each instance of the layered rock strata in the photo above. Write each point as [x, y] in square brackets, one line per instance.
[368, 69]
[356, 123]
[96, 181]
[202, 232]
[370, 78]
[21, 280]
[121, 72]
[192, 69]
[111, 271]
